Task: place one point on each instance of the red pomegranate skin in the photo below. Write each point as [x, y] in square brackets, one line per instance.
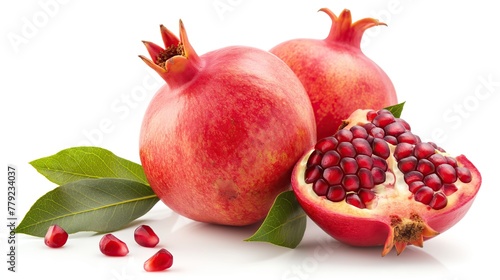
[219, 141]
[336, 74]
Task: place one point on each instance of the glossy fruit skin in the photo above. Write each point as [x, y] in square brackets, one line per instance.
[55, 237]
[219, 141]
[336, 74]
[376, 226]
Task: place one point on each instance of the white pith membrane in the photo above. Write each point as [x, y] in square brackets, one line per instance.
[394, 203]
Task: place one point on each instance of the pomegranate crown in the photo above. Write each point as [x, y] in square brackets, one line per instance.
[177, 62]
[344, 30]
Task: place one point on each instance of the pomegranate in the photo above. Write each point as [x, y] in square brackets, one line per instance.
[219, 141]
[160, 261]
[145, 236]
[374, 182]
[55, 237]
[110, 245]
[338, 77]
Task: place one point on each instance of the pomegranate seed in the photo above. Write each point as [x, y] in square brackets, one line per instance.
[449, 189]
[320, 187]
[160, 261]
[145, 236]
[464, 174]
[313, 173]
[368, 127]
[433, 181]
[346, 149]
[371, 115]
[112, 246]
[364, 161]
[326, 144]
[424, 195]
[425, 166]
[407, 164]
[437, 159]
[330, 158]
[336, 193]
[354, 200]
[423, 150]
[391, 139]
[451, 161]
[349, 165]
[404, 123]
[383, 119]
[365, 178]
[415, 186]
[55, 237]
[314, 158]
[380, 148]
[366, 196]
[378, 175]
[333, 175]
[408, 137]
[377, 132]
[403, 150]
[413, 176]
[394, 129]
[380, 163]
[359, 132]
[350, 183]
[362, 146]
[447, 173]
[438, 201]
[344, 135]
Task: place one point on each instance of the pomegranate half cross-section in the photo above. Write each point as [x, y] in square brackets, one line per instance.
[374, 182]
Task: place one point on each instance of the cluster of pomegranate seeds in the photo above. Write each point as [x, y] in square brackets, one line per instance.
[348, 165]
[55, 237]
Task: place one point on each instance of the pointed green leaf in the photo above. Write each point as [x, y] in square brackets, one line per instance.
[285, 223]
[77, 163]
[397, 109]
[100, 205]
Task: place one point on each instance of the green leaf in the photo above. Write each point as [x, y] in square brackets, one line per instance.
[100, 205]
[78, 163]
[285, 223]
[397, 109]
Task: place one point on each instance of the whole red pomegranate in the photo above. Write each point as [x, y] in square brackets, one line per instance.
[220, 139]
[374, 182]
[338, 77]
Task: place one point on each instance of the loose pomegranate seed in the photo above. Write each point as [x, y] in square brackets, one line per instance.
[145, 236]
[112, 246]
[55, 237]
[447, 173]
[160, 261]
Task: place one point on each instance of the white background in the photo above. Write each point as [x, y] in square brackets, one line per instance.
[68, 66]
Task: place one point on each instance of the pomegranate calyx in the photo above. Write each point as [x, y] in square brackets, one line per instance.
[177, 63]
[344, 30]
[407, 231]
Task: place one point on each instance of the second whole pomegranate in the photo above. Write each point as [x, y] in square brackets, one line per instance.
[337, 75]
[219, 141]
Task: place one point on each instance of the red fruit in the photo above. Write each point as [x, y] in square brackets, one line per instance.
[145, 236]
[338, 77]
[417, 192]
[55, 237]
[112, 246]
[160, 261]
[211, 135]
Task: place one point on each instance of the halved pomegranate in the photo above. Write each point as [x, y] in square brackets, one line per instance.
[374, 182]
